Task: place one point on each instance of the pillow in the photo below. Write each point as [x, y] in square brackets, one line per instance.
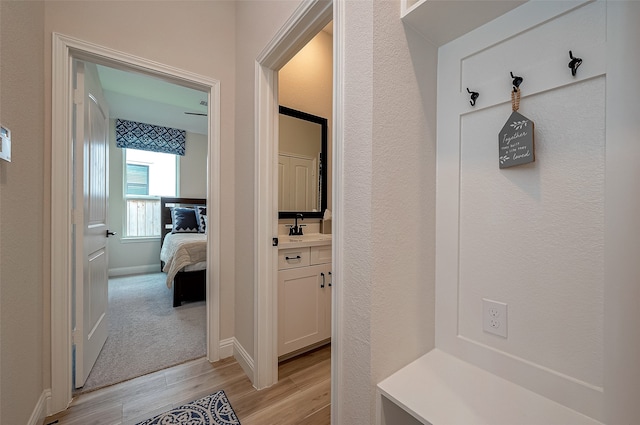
[184, 220]
[201, 217]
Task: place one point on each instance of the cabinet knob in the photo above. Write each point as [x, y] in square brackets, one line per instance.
[330, 279]
[297, 257]
[322, 284]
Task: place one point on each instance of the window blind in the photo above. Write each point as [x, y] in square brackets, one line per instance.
[136, 135]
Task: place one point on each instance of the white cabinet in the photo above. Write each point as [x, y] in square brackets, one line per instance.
[304, 297]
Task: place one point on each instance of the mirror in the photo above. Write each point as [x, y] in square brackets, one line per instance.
[302, 164]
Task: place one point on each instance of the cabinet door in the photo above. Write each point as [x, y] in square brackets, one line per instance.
[301, 307]
[320, 254]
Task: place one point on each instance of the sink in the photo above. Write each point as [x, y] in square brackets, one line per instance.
[308, 239]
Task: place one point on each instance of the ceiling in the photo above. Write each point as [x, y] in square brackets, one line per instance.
[150, 100]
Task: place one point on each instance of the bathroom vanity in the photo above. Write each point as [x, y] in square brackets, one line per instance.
[304, 292]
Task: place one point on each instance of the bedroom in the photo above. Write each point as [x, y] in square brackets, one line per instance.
[141, 313]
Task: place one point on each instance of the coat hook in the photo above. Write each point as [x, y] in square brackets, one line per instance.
[574, 64]
[516, 81]
[474, 96]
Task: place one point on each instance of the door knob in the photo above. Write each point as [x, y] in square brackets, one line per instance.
[110, 233]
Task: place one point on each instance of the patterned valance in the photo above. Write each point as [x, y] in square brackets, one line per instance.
[147, 137]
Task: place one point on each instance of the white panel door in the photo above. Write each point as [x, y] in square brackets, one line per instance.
[91, 224]
[283, 183]
[302, 188]
[531, 236]
[297, 183]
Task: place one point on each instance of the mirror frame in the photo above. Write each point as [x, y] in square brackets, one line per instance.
[323, 163]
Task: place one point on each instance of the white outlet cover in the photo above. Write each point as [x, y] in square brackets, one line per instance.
[494, 317]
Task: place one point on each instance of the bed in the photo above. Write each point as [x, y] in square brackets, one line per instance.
[183, 255]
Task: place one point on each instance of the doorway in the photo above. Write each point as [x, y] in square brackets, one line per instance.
[65, 50]
[157, 148]
[309, 20]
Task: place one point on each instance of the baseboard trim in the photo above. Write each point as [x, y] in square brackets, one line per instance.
[244, 359]
[41, 410]
[226, 347]
[125, 271]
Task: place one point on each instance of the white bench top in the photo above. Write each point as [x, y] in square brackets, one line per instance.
[440, 389]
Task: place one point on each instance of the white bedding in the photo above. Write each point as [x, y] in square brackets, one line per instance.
[183, 251]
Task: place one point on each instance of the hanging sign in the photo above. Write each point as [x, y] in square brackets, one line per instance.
[515, 140]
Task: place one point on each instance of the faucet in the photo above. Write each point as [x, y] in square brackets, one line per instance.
[296, 230]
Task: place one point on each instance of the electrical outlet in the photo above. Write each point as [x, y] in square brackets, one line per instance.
[494, 317]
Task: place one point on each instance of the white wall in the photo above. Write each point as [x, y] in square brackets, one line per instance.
[143, 256]
[23, 264]
[193, 167]
[388, 216]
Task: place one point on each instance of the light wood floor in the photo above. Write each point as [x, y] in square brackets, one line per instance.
[301, 396]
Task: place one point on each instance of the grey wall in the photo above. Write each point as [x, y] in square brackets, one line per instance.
[23, 263]
[257, 22]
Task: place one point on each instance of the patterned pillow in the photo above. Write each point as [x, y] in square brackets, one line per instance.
[184, 220]
[201, 217]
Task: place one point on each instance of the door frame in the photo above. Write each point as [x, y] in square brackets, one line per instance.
[306, 21]
[65, 50]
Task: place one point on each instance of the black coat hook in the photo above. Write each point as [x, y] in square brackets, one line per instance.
[574, 64]
[474, 96]
[516, 81]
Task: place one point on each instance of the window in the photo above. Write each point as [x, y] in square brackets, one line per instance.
[137, 179]
[147, 177]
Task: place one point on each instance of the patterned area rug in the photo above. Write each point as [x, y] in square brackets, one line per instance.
[213, 409]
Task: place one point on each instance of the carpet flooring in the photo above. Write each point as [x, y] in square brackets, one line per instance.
[146, 333]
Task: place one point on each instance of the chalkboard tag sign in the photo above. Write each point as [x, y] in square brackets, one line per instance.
[515, 140]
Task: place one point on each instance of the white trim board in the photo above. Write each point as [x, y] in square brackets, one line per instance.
[127, 271]
[40, 409]
[226, 347]
[64, 50]
[307, 20]
[338, 136]
[243, 358]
